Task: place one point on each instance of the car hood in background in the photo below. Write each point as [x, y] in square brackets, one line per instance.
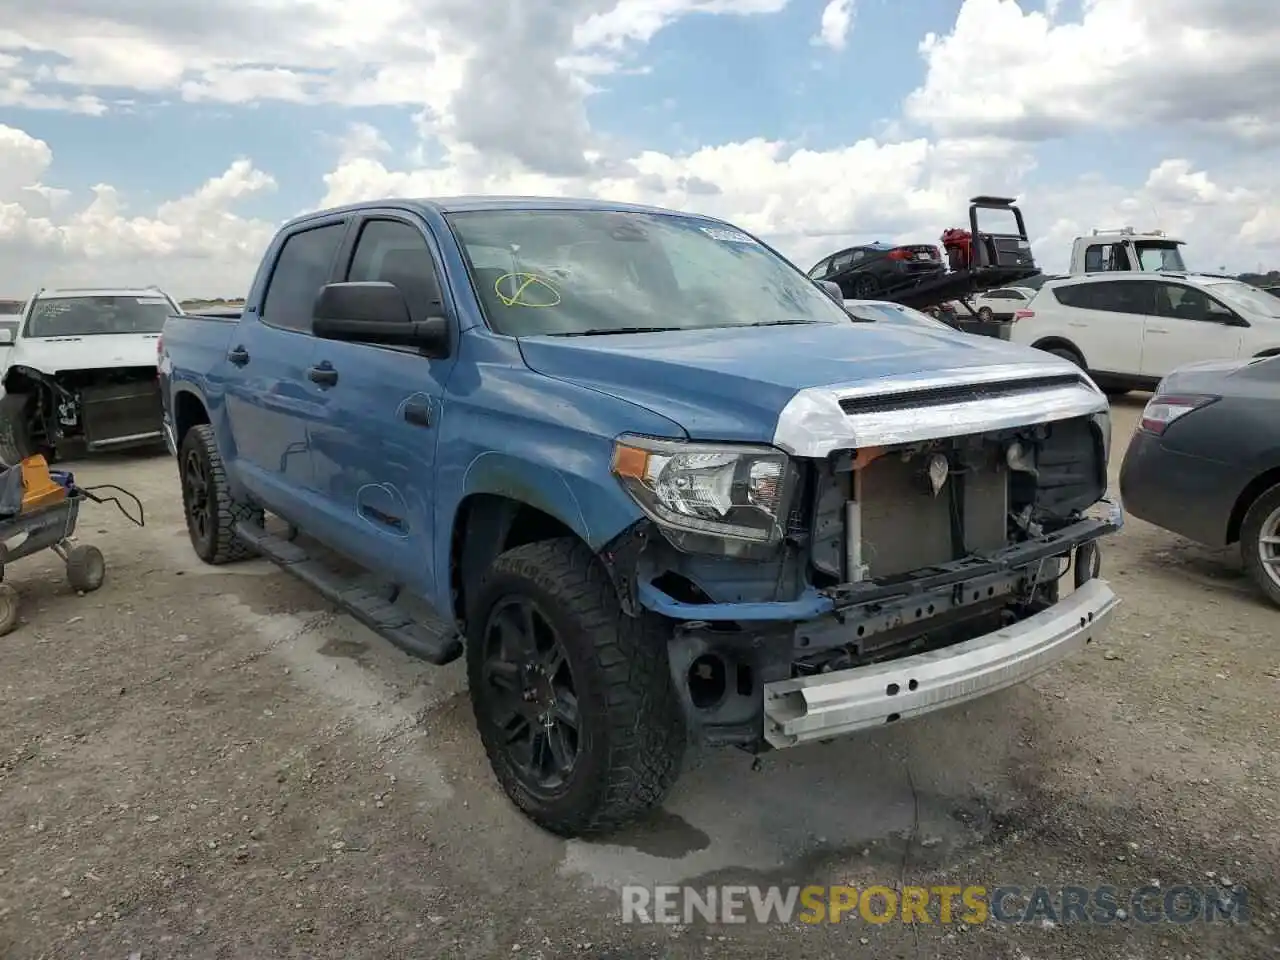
[731, 383]
[99, 352]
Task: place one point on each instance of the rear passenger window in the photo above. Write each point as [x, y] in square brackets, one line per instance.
[302, 268]
[396, 252]
[1079, 295]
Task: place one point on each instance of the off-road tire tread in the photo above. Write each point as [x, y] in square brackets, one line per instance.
[1250, 530]
[646, 734]
[227, 547]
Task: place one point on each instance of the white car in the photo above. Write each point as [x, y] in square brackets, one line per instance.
[1003, 302]
[80, 367]
[893, 313]
[1129, 330]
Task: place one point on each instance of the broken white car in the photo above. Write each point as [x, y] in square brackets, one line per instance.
[81, 371]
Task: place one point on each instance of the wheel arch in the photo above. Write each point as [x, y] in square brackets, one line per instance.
[1256, 488]
[507, 502]
[1060, 343]
[189, 410]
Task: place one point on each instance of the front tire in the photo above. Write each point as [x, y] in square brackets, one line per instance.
[573, 699]
[211, 510]
[985, 314]
[1260, 543]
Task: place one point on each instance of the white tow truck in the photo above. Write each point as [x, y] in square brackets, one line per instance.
[80, 369]
[1125, 250]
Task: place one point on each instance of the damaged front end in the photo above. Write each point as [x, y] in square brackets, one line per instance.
[103, 409]
[920, 541]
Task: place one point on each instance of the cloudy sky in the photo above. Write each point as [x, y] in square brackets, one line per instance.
[163, 140]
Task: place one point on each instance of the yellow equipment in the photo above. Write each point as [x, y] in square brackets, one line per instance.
[39, 489]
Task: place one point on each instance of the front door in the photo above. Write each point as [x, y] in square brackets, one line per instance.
[270, 402]
[1187, 325]
[373, 453]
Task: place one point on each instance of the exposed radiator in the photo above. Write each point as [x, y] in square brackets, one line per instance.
[905, 526]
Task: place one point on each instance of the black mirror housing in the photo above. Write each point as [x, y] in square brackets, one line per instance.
[375, 311]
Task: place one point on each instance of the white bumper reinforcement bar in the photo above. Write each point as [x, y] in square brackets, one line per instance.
[829, 705]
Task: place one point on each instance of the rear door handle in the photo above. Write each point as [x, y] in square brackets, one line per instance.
[418, 414]
[1157, 330]
[239, 356]
[324, 375]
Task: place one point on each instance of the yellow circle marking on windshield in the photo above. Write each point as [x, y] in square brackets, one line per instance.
[522, 282]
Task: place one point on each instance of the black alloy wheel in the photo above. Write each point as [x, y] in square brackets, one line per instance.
[532, 697]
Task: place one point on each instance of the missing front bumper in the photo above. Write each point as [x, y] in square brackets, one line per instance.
[804, 709]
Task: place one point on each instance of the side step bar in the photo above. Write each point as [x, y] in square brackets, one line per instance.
[434, 643]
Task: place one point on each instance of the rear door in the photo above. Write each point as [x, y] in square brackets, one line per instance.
[1105, 319]
[1186, 324]
[374, 449]
[271, 403]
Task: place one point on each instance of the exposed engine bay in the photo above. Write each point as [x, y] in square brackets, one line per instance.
[917, 546]
[112, 408]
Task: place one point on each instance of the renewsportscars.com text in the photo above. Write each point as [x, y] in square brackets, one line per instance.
[970, 904]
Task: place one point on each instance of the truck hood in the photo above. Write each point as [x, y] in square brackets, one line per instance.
[734, 383]
[100, 352]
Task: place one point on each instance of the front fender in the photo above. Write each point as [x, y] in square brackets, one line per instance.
[537, 484]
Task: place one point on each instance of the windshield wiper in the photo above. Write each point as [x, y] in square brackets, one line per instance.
[781, 323]
[604, 331]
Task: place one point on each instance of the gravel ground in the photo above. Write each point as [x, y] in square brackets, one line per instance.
[211, 763]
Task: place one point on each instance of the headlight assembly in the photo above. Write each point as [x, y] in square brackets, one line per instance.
[695, 491]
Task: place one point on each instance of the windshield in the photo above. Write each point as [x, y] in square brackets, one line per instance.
[1245, 298]
[91, 316]
[1159, 256]
[577, 272]
[894, 313]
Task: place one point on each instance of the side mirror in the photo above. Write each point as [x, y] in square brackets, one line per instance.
[6, 337]
[375, 312]
[832, 290]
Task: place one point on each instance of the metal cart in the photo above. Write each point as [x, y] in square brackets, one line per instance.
[51, 527]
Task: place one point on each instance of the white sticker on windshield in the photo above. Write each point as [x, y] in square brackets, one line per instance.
[153, 301]
[726, 235]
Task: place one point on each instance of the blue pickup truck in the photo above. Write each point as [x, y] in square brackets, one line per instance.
[658, 484]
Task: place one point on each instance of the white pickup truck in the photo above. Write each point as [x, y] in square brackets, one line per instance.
[80, 369]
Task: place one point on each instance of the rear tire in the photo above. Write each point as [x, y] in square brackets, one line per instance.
[1260, 543]
[211, 510]
[612, 674]
[865, 287]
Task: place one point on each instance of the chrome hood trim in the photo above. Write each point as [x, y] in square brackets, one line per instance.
[814, 424]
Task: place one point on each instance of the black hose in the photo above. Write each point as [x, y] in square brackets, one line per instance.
[139, 521]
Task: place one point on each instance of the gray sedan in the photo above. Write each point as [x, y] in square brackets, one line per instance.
[1205, 461]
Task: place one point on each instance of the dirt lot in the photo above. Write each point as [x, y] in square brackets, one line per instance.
[210, 763]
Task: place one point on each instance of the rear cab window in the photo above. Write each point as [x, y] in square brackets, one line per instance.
[303, 266]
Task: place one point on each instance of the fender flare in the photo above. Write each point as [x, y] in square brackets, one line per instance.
[536, 484]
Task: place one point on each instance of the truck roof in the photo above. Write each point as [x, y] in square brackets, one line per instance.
[468, 204]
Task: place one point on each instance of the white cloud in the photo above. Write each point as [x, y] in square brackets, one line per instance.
[1001, 80]
[1125, 63]
[188, 244]
[837, 21]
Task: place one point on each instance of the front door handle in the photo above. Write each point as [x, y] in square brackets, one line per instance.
[418, 414]
[239, 356]
[324, 375]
